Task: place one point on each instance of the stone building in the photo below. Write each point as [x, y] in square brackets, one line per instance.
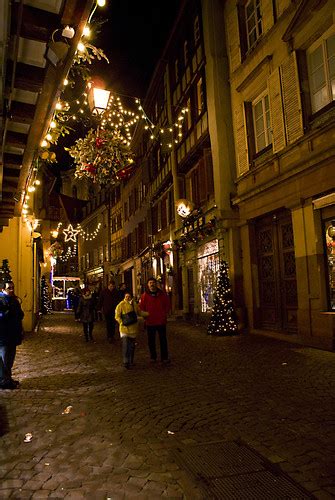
[282, 76]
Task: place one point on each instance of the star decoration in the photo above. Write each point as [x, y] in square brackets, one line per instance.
[70, 233]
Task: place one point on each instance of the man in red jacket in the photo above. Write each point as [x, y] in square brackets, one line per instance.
[155, 302]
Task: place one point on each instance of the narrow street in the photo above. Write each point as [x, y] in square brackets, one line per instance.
[231, 417]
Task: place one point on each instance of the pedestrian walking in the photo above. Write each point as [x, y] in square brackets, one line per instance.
[11, 333]
[122, 290]
[127, 314]
[86, 313]
[75, 302]
[108, 300]
[156, 302]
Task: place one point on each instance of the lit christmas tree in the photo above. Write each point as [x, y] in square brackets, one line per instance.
[223, 321]
[5, 275]
[45, 300]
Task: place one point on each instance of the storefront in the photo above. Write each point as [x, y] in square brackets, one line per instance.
[208, 266]
[61, 291]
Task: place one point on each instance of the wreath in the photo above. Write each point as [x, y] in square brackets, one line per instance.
[103, 156]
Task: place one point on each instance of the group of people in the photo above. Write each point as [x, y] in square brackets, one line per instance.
[11, 333]
[119, 306]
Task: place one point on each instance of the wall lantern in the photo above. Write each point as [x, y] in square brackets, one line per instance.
[184, 207]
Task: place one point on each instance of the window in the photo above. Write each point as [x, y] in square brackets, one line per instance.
[196, 31]
[253, 20]
[200, 97]
[74, 192]
[176, 70]
[185, 53]
[262, 123]
[321, 68]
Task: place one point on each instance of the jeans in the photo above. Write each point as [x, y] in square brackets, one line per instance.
[88, 330]
[7, 356]
[128, 349]
[110, 325]
[161, 330]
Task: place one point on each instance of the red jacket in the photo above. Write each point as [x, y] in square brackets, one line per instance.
[157, 306]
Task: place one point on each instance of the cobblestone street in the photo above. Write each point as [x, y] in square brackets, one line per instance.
[142, 433]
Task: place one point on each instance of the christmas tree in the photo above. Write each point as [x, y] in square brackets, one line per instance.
[45, 300]
[223, 320]
[5, 276]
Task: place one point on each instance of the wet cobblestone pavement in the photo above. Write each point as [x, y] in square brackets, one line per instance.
[100, 431]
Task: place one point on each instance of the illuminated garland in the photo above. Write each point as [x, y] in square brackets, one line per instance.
[89, 236]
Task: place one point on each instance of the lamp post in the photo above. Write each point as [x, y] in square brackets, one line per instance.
[98, 99]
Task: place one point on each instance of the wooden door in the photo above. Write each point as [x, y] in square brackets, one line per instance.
[276, 273]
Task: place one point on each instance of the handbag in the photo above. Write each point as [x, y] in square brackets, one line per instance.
[129, 318]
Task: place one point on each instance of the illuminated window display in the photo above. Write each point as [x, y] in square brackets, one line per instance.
[208, 266]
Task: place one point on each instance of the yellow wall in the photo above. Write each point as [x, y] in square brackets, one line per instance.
[15, 246]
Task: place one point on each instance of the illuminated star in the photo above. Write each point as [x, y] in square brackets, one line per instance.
[70, 233]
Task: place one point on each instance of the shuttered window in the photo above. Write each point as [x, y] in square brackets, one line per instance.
[262, 122]
[321, 68]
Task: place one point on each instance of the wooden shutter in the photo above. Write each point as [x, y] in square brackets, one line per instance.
[163, 213]
[276, 109]
[291, 99]
[240, 140]
[208, 163]
[171, 206]
[304, 87]
[242, 29]
[249, 123]
[195, 186]
[202, 181]
[154, 218]
[181, 183]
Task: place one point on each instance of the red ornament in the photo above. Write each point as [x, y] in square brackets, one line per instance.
[90, 168]
[99, 142]
[125, 173]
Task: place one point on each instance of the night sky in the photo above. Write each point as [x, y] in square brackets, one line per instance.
[133, 35]
[133, 40]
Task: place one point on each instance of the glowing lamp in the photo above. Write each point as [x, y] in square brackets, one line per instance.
[184, 207]
[98, 100]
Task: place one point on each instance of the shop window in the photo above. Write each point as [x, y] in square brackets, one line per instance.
[329, 235]
[321, 70]
[208, 267]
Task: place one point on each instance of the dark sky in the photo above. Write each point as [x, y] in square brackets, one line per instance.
[133, 40]
[133, 35]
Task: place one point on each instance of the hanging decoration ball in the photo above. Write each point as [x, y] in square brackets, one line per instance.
[101, 155]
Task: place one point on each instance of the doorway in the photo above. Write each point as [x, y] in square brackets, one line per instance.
[278, 303]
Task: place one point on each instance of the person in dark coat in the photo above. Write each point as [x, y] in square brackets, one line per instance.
[11, 316]
[86, 313]
[108, 300]
[155, 302]
[75, 302]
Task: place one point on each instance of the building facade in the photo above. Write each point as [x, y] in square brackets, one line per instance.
[281, 58]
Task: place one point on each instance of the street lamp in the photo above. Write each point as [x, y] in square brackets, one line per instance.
[98, 100]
